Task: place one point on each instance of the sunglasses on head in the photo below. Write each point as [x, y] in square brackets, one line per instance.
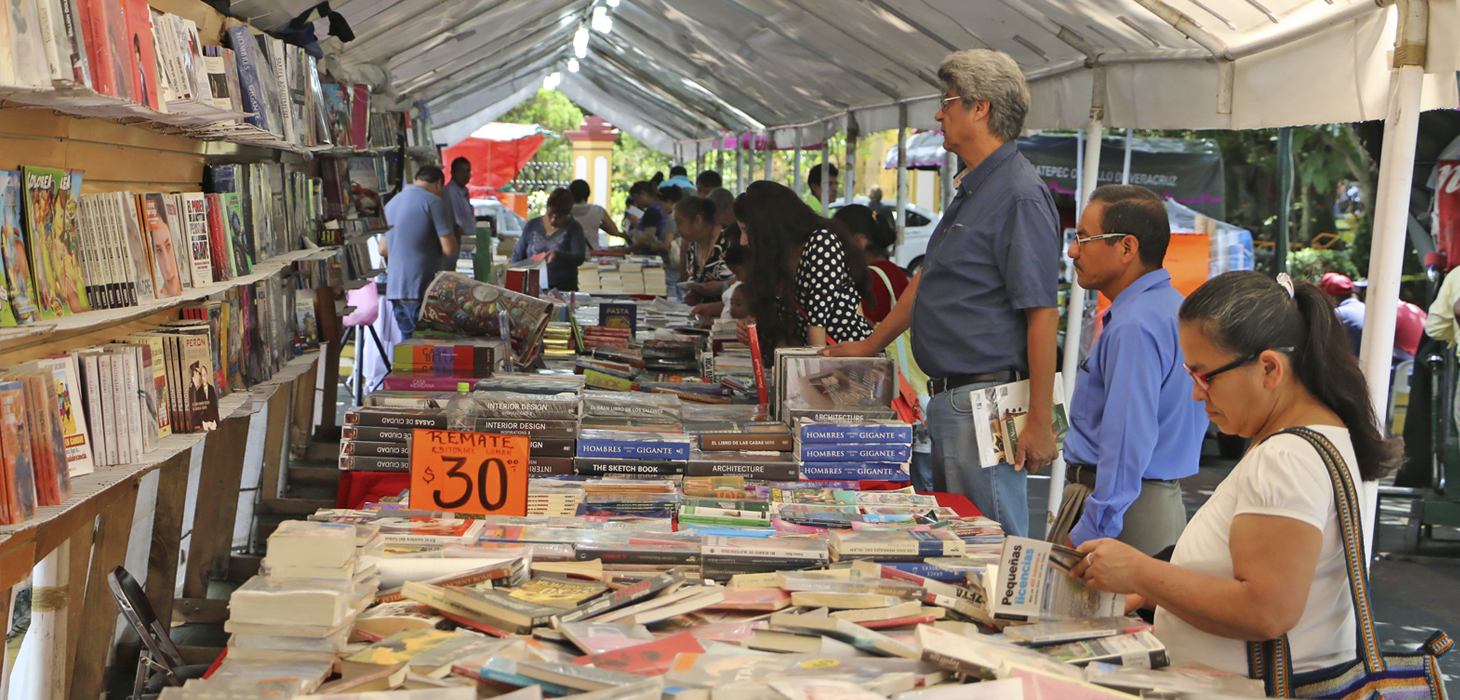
[1204, 379]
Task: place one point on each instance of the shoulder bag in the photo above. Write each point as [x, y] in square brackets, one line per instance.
[1374, 674]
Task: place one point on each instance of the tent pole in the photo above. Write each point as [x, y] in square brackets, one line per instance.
[768, 153]
[1075, 314]
[1391, 208]
[1125, 169]
[901, 174]
[849, 163]
[1285, 197]
[796, 164]
[720, 155]
[825, 173]
[739, 166]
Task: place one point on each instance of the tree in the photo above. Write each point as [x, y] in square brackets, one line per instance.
[554, 112]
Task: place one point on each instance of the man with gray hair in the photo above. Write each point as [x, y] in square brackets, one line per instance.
[983, 308]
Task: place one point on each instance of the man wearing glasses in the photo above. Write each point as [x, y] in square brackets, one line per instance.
[1134, 428]
[983, 308]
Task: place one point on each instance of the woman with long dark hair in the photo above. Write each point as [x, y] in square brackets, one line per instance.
[1263, 557]
[809, 276]
[873, 232]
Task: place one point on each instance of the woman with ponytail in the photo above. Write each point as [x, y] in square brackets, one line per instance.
[1263, 557]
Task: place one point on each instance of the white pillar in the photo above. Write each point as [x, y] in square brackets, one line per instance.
[769, 153]
[46, 641]
[1391, 214]
[1125, 169]
[901, 173]
[796, 164]
[825, 173]
[849, 163]
[1075, 314]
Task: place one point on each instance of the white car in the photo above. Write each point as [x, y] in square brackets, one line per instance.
[920, 225]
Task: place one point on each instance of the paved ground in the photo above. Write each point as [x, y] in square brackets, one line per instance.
[1413, 595]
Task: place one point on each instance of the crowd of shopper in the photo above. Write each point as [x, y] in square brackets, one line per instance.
[1271, 360]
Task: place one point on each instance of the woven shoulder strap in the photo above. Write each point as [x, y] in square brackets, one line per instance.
[1272, 660]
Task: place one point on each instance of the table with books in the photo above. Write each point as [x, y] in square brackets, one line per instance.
[669, 543]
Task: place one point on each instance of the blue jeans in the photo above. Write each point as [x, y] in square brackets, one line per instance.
[406, 313]
[1000, 491]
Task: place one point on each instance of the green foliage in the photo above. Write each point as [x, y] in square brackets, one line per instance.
[633, 161]
[550, 110]
[1310, 264]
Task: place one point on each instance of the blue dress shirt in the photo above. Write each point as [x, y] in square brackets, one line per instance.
[1351, 314]
[1132, 415]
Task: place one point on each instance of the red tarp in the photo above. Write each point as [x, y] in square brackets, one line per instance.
[493, 163]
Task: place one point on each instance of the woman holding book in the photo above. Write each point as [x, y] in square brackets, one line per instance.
[704, 253]
[1264, 557]
[555, 238]
[810, 275]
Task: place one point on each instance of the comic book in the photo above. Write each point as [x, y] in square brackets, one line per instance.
[238, 237]
[17, 475]
[43, 223]
[19, 284]
[74, 433]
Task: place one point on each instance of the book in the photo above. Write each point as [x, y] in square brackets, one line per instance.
[751, 441]
[252, 71]
[894, 545]
[632, 445]
[849, 632]
[999, 413]
[891, 453]
[401, 647]
[558, 592]
[1059, 631]
[875, 432]
[201, 395]
[1034, 583]
[842, 601]
[19, 284]
[651, 659]
[17, 470]
[576, 676]
[55, 291]
[513, 614]
[619, 315]
[47, 446]
[136, 251]
[1138, 649]
[822, 689]
[596, 466]
[430, 419]
[855, 471]
[600, 637]
[143, 52]
[72, 416]
[619, 598]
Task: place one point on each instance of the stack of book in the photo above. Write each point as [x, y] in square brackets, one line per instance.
[738, 445]
[550, 497]
[456, 303]
[378, 439]
[445, 364]
[870, 450]
[648, 500]
[559, 349]
[550, 419]
[294, 619]
[722, 557]
[620, 452]
[594, 336]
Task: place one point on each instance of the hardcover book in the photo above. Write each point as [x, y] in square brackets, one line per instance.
[877, 431]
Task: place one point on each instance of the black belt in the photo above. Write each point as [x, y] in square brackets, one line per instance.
[939, 385]
[1076, 473]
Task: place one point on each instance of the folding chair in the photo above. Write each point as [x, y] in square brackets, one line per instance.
[366, 301]
[161, 664]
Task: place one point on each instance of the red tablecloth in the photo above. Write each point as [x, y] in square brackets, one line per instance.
[358, 488]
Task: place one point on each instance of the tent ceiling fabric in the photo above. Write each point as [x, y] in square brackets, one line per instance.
[680, 70]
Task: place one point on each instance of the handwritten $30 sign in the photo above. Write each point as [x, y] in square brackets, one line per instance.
[461, 472]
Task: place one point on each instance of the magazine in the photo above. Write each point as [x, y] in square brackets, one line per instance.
[1034, 583]
[57, 274]
[455, 302]
[19, 286]
[999, 413]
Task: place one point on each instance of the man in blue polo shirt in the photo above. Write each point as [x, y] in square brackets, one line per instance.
[1134, 429]
[420, 236]
[983, 308]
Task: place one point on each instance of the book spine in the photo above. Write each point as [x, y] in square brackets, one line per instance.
[853, 471]
[630, 449]
[550, 466]
[76, 42]
[769, 443]
[124, 373]
[856, 453]
[116, 412]
[393, 382]
[637, 556]
[750, 470]
[245, 52]
[593, 466]
[375, 449]
[374, 464]
[91, 383]
[136, 383]
[85, 250]
[399, 421]
[765, 552]
[47, 11]
[864, 434]
[123, 266]
[369, 433]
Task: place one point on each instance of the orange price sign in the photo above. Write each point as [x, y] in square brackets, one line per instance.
[479, 473]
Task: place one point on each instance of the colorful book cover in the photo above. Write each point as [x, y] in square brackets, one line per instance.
[251, 70]
[68, 249]
[99, 57]
[195, 213]
[218, 240]
[18, 478]
[202, 393]
[136, 248]
[47, 447]
[74, 435]
[18, 285]
[144, 54]
[337, 112]
[119, 50]
[43, 229]
[239, 239]
[652, 659]
[167, 277]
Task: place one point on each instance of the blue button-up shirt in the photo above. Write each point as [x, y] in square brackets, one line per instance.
[1351, 314]
[1132, 415]
[995, 253]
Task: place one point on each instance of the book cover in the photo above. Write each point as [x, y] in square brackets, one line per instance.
[135, 248]
[631, 445]
[92, 398]
[172, 211]
[26, 45]
[999, 412]
[142, 52]
[239, 239]
[57, 287]
[195, 213]
[124, 402]
[855, 453]
[360, 116]
[855, 471]
[1034, 583]
[215, 64]
[652, 659]
[19, 284]
[153, 360]
[72, 22]
[337, 113]
[18, 477]
[619, 315]
[47, 447]
[72, 418]
[202, 392]
[168, 277]
[221, 262]
[557, 592]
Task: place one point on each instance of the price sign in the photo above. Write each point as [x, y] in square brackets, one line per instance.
[477, 473]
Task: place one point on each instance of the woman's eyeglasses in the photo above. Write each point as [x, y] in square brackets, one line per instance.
[1204, 379]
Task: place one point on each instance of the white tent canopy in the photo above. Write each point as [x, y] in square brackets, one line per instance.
[688, 69]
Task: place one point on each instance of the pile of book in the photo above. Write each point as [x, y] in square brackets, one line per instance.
[436, 364]
[456, 303]
[871, 450]
[378, 439]
[633, 274]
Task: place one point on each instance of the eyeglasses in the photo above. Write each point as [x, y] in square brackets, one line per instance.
[1204, 379]
[944, 102]
[1082, 241]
